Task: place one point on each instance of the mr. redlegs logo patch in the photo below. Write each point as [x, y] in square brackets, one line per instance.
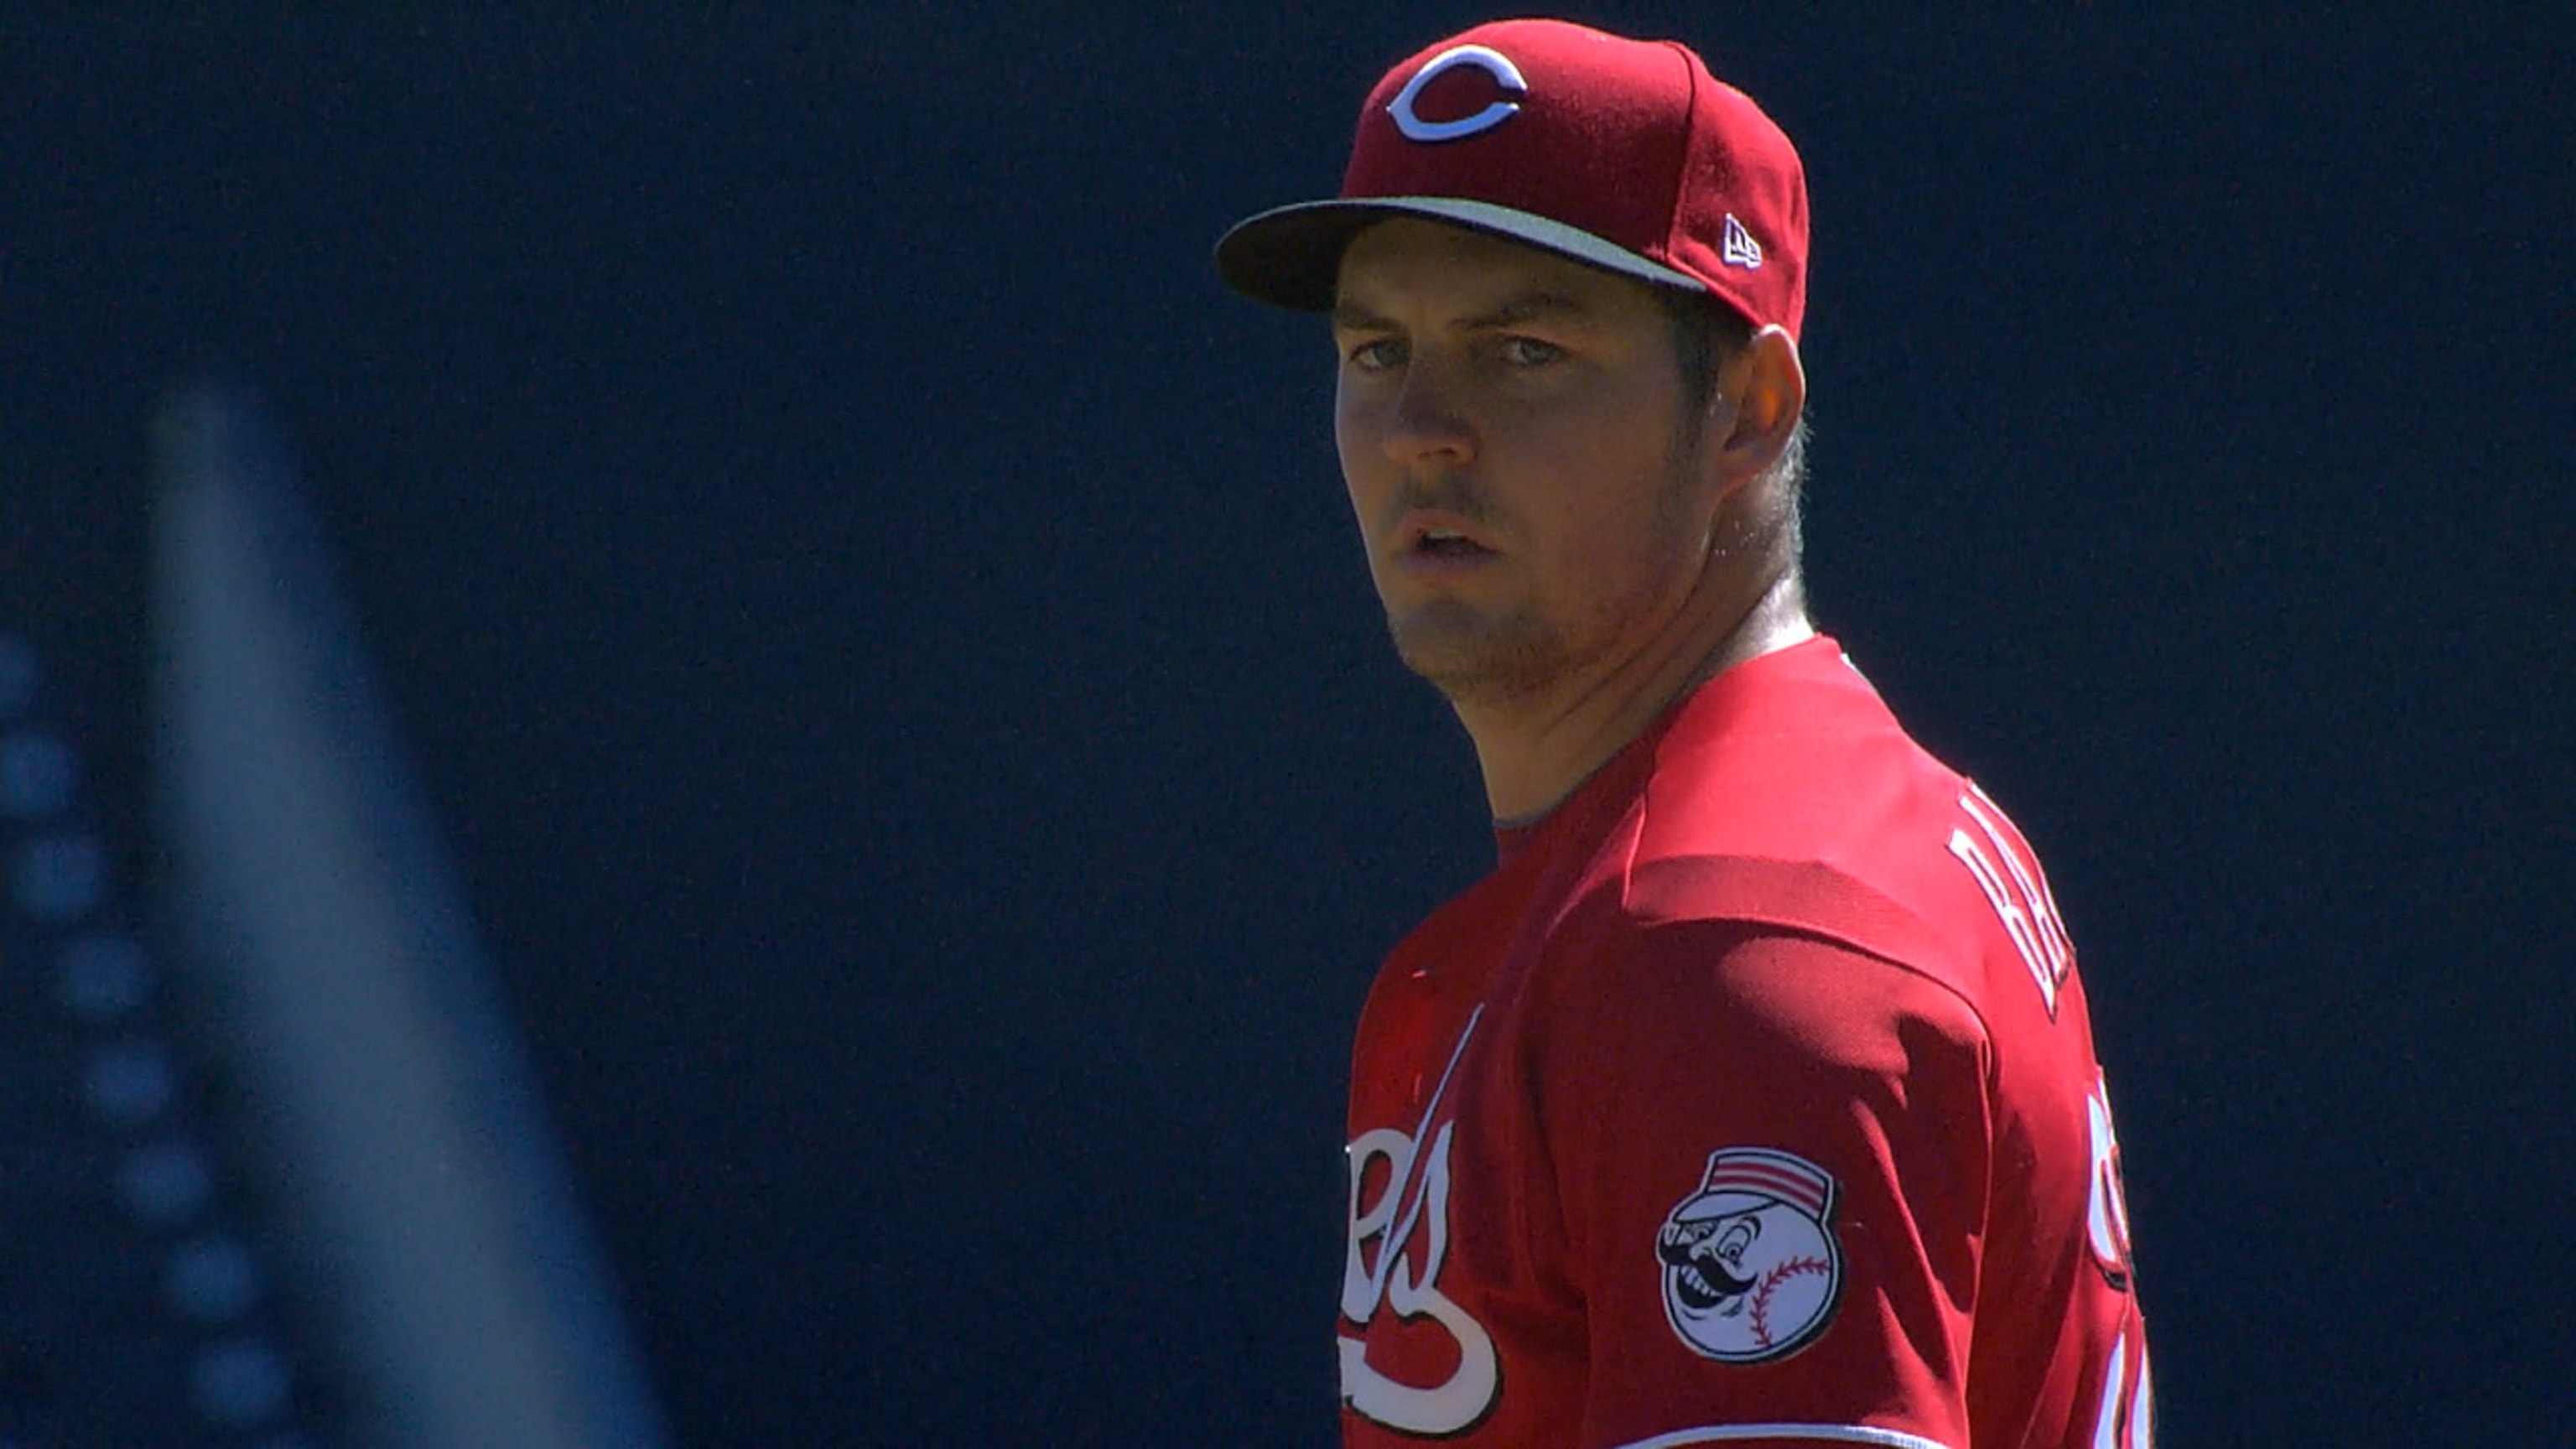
[1751, 1269]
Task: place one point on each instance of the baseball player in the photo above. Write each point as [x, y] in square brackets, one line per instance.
[1752, 1098]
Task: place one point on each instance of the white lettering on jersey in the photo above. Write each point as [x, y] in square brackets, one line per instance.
[1416, 1194]
[2009, 874]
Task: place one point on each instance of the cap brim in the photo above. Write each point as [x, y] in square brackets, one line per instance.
[1291, 256]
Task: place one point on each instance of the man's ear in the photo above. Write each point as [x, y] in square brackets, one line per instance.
[1764, 387]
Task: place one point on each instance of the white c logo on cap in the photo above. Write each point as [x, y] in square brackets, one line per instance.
[1492, 62]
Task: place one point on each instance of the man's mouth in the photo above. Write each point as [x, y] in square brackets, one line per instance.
[1447, 543]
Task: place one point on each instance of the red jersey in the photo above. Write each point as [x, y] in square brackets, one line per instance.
[1752, 1099]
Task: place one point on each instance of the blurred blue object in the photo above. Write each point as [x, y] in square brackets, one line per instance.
[429, 1219]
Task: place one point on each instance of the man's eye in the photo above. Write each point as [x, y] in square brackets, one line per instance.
[1374, 356]
[1530, 352]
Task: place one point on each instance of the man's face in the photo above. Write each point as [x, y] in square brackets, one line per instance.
[1511, 430]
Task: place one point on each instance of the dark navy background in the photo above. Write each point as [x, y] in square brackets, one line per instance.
[879, 625]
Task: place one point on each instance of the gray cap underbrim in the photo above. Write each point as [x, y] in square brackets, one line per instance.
[1291, 256]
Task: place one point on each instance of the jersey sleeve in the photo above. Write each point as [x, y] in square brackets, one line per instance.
[1771, 1154]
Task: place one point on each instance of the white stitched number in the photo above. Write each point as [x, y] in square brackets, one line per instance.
[2009, 874]
[2106, 1217]
[2136, 1428]
[2106, 1227]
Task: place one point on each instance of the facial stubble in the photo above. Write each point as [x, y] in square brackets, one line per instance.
[1481, 660]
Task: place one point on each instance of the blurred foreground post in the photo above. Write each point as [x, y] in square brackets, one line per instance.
[426, 1214]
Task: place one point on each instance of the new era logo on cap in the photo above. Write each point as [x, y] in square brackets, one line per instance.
[1626, 154]
[1741, 250]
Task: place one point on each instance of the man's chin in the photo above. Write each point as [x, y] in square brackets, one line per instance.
[1472, 661]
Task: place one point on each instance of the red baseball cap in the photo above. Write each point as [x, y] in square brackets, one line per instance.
[1626, 154]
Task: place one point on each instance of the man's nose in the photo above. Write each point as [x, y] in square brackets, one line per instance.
[1426, 421]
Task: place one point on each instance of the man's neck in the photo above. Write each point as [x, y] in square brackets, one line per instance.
[1534, 754]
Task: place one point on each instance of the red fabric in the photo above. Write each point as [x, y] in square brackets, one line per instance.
[1749, 966]
[1633, 141]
